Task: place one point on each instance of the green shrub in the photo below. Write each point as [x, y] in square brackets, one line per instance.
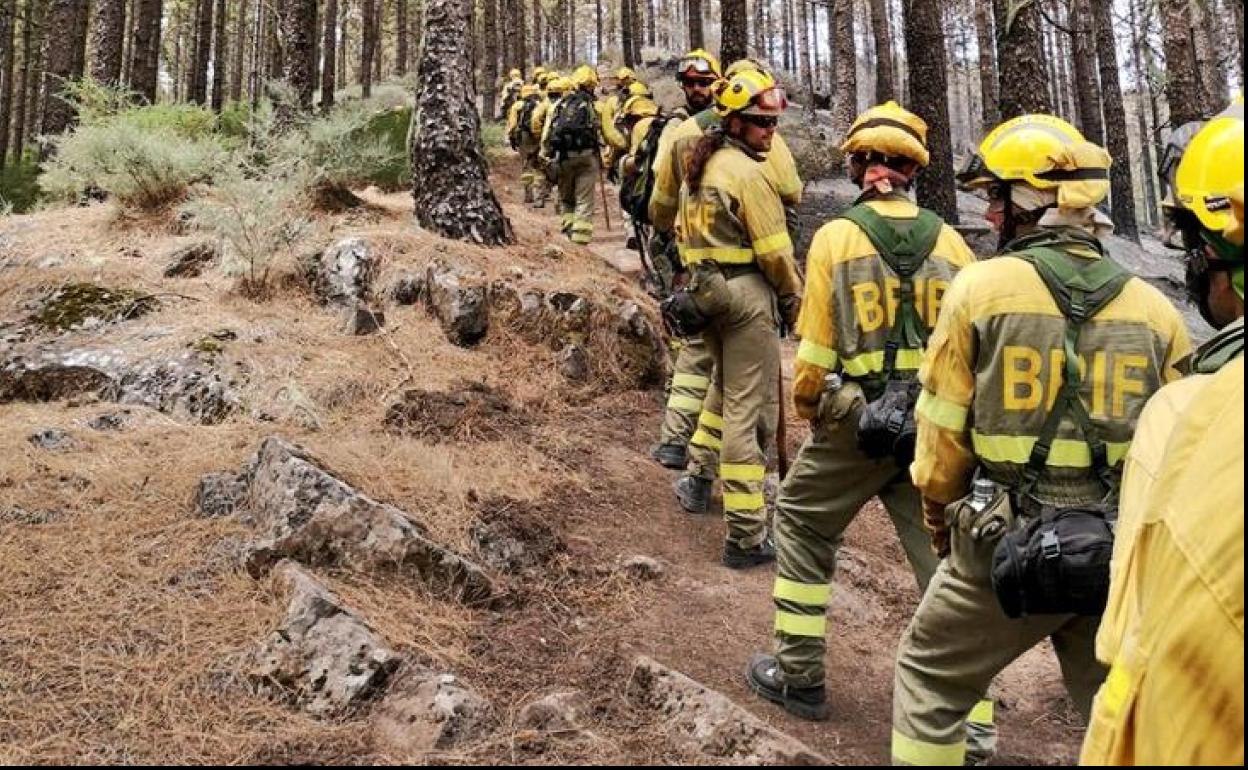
[352, 146]
[19, 188]
[145, 158]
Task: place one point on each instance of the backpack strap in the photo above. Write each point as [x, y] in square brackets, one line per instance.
[1080, 291]
[904, 251]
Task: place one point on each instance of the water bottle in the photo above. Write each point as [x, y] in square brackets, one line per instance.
[832, 382]
[983, 491]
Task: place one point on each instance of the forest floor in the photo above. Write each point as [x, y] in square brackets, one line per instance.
[125, 618]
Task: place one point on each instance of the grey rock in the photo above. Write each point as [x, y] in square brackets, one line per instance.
[428, 712]
[305, 513]
[345, 272]
[218, 494]
[643, 567]
[51, 439]
[324, 657]
[703, 720]
[553, 253]
[558, 712]
[51, 261]
[459, 303]
[111, 421]
[189, 261]
[573, 363]
[182, 385]
[408, 290]
[574, 311]
[17, 515]
[361, 320]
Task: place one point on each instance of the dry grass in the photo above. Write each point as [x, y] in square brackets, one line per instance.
[125, 620]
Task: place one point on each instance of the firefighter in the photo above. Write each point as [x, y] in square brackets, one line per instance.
[511, 90]
[610, 108]
[520, 135]
[1174, 694]
[1039, 432]
[744, 281]
[856, 263]
[555, 86]
[570, 140]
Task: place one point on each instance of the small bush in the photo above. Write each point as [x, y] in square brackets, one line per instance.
[352, 146]
[145, 158]
[19, 188]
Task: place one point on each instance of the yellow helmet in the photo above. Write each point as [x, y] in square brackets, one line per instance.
[639, 106]
[538, 72]
[515, 74]
[1046, 153]
[1212, 168]
[638, 88]
[698, 65]
[625, 74]
[752, 93]
[585, 76]
[889, 129]
[745, 65]
[558, 85]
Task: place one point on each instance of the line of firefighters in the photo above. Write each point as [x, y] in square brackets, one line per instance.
[1057, 461]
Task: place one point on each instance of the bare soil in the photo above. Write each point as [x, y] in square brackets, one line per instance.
[124, 618]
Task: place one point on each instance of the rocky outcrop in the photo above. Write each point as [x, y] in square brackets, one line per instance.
[459, 302]
[556, 713]
[361, 320]
[703, 720]
[428, 711]
[189, 261]
[323, 657]
[218, 494]
[51, 439]
[305, 513]
[344, 272]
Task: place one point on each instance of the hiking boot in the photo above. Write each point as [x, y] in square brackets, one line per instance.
[674, 456]
[764, 677]
[693, 493]
[528, 195]
[632, 244]
[736, 557]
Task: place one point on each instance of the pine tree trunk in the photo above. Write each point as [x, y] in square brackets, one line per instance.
[82, 25]
[651, 26]
[1237, 13]
[1208, 65]
[626, 32]
[1086, 86]
[805, 81]
[238, 52]
[489, 68]
[695, 24]
[1182, 86]
[400, 51]
[368, 44]
[30, 16]
[220, 55]
[813, 13]
[297, 29]
[450, 186]
[925, 50]
[109, 31]
[58, 58]
[885, 89]
[984, 36]
[845, 95]
[1144, 94]
[8, 25]
[329, 48]
[145, 49]
[735, 30]
[1020, 57]
[1121, 186]
[379, 50]
[203, 50]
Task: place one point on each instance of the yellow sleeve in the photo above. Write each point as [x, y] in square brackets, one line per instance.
[513, 116]
[763, 215]
[606, 119]
[1179, 356]
[953, 249]
[547, 120]
[783, 169]
[816, 354]
[944, 460]
[665, 198]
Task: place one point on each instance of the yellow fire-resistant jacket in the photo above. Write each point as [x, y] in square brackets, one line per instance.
[635, 137]
[851, 301]
[993, 368]
[548, 121]
[540, 112]
[608, 109]
[527, 138]
[678, 140]
[735, 218]
[1173, 632]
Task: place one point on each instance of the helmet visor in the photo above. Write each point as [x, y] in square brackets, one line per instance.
[975, 174]
[695, 68]
[773, 100]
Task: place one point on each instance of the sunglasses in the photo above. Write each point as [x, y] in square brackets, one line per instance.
[762, 121]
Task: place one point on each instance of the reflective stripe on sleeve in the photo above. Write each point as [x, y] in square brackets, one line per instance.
[772, 243]
[814, 595]
[869, 363]
[1064, 453]
[724, 255]
[816, 354]
[938, 411]
[921, 753]
[801, 625]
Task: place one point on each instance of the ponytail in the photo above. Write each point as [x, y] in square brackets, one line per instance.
[711, 141]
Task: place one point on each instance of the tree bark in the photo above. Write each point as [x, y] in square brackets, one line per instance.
[379, 50]
[1087, 89]
[450, 188]
[651, 26]
[220, 55]
[1182, 87]
[109, 31]
[1020, 59]
[695, 24]
[985, 38]
[735, 30]
[489, 65]
[400, 51]
[145, 49]
[885, 88]
[1237, 12]
[82, 26]
[368, 43]
[1143, 95]
[297, 30]
[8, 24]
[1121, 187]
[329, 53]
[627, 9]
[1208, 63]
[58, 57]
[925, 50]
[202, 52]
[845, 95]
[30, 13]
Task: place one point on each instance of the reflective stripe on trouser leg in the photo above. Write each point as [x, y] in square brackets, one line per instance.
[800, 609]
[828, 484]
[981, 733]
[708, 439]
[748, 358]
[691, 379]
[957, 641]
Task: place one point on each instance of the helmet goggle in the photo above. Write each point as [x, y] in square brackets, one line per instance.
[696, 69]
[772, 100]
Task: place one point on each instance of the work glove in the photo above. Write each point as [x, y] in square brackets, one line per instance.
[793, 224]
[790, 306]
[934, 522]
